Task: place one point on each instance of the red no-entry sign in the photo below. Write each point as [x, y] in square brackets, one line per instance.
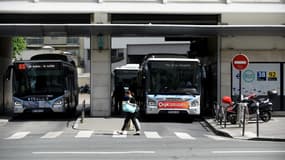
[240, 62]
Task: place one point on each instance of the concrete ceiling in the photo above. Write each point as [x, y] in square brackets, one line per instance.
[139, 30]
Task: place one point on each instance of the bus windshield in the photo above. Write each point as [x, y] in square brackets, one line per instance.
[127, 77]
[35, 79]
[174, 77]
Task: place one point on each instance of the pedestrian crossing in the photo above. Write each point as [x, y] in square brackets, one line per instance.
[115, 134]
[18, 135]
[52, 134]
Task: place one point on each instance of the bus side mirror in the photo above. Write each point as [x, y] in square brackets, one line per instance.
[8, 72]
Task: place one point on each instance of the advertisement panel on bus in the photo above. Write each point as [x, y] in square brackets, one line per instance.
[173, 104]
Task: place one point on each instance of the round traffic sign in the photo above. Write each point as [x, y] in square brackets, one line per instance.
[240, 62]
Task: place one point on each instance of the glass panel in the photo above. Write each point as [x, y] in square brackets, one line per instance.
[38, 79]
[174, 77]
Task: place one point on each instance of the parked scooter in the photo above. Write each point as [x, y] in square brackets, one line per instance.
[265, 107]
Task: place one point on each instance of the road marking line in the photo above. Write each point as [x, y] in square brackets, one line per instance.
[52, 134]
[218, 138]
[183, 135]
[152, 134]
[230, 152]
[18, 135]
[117, 135]
[84, 134]
[118, 152]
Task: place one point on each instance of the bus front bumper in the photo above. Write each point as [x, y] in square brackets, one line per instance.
[44, 107]
[191, 111]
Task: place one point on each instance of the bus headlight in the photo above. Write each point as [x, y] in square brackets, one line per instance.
[59, 102]
[195, 103]
[151, 102]
[18, 107]
[18, 103]
[58, 105]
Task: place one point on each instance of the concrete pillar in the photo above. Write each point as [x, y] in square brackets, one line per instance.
[5, 86]
[100, 70]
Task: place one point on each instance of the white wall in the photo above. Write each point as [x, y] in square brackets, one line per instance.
[122, 42]
[144, 49]
[257, 48]
[253, 18]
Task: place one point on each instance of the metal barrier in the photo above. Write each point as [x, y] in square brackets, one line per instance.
[242, 116]
[220, 114]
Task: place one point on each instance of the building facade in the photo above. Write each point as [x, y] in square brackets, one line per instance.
[263, 47]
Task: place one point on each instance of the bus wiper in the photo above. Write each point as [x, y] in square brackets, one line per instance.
[190, 91]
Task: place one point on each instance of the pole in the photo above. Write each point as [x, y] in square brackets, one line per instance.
[3, 93]
[240, 99]
[257, 119]
[83, 112]
[243, 122]
[240, 85]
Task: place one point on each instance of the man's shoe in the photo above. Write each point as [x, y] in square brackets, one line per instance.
[137, 133]
[123, 132]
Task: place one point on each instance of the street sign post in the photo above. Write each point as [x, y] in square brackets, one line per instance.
[240, 62]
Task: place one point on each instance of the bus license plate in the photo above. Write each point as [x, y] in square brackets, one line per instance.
[38, 110]
[173, 112]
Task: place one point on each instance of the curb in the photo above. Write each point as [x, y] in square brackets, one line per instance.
[216, 131]
[268, 139]
[225, 134]
[4, 120]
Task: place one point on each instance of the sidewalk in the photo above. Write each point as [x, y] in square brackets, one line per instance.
[273, 130]
[3, 120]
[99, 125]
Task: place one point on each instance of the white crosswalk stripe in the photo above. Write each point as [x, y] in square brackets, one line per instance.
[84, 134]
[154, 135]
[52, 134]
[18, 135]
[117, 135]
[183, 135]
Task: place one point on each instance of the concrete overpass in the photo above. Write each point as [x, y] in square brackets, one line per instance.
[226, 22]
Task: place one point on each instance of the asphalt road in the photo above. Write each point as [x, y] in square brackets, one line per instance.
[33, 138]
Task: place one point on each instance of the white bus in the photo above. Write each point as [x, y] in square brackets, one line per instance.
[127, 75]
[170, 84]
[46, 83]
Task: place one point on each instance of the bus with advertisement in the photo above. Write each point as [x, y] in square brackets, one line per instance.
[45, 83]
[170, 84]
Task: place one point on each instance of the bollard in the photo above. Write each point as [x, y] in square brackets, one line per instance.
[225, 117]
[243, 123]
[257, 119]
[239, 115]
[245, 113]
[83, 112]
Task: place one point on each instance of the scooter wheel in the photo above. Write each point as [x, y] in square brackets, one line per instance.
[232, 119]
[265, 116]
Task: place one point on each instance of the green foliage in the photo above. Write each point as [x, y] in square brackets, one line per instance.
[19, 44]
